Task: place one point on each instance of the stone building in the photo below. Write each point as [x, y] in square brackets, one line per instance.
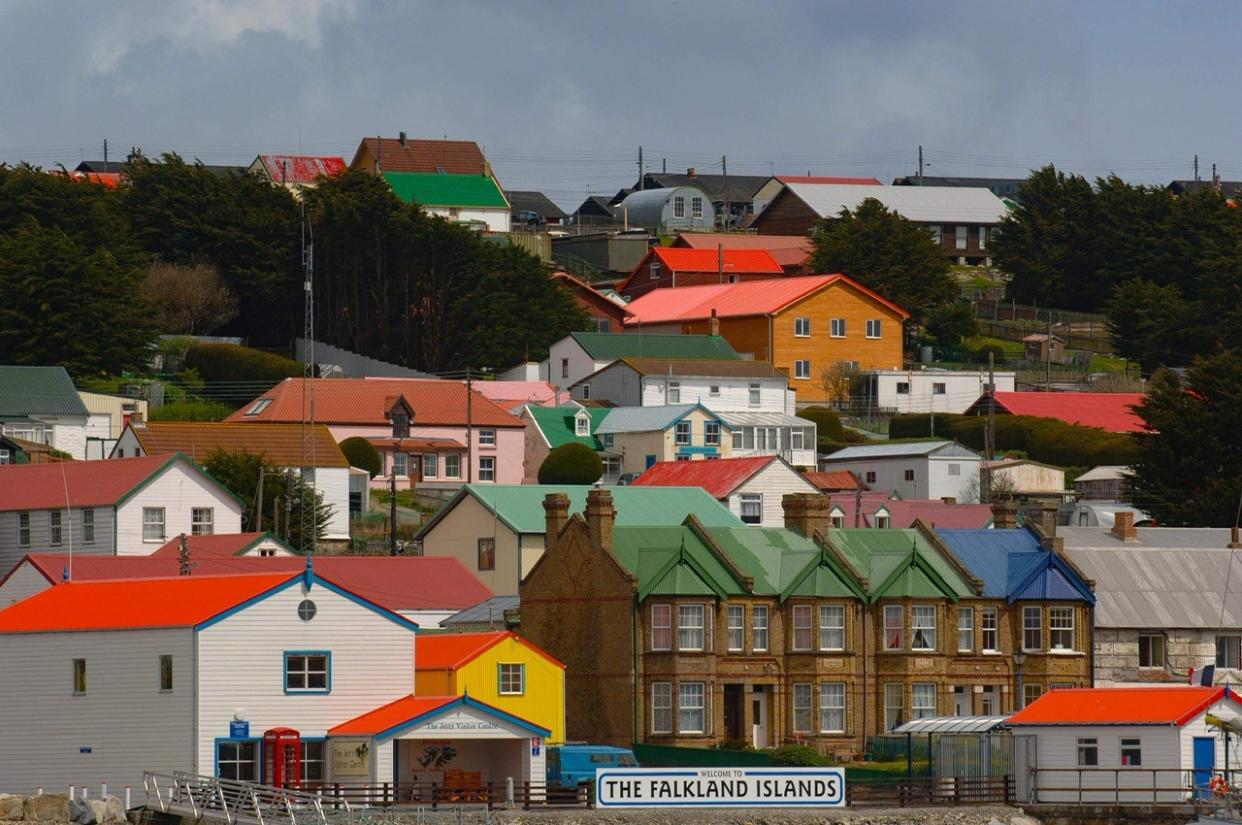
[697, 636]
[1169, 602]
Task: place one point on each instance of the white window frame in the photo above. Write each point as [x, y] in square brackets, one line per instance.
[939, 388]
[505, 678]
[672, 392]
[150, 524]
[691, 631]
[836, 328]
[400, 464]
[802, 369]
[802, 327]
[431, 465]
[1030, 627]
[585, 391]
[1060, 623]
[922, 700]
[832, 627]
[661, 620]
[202, 521]
[989, 630]
[832, 707]
[1131, 752]
[582, 424]
[23, 529]
[661, 707]
[88, 525]
[1229, 650]
[754, 395]
[750, 508]
[894, 619]
[803, 707]
[983, 237]
[760, 627]
[55, 528]
[923, 633]
[450, 459]
[960, 234]
[735, 618]
[894, 704]
[691, 699]
[875, 328]
[965, 630]
[487, 468]
[487, 438]
[1154, 641]
[801, 627]
[679, 206]
[1088, 748]
[696, 207]
[683, 432]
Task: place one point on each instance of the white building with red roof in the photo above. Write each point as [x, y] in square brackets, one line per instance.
[456, 436]
[752, 488]
[125, 506]
[105, 680]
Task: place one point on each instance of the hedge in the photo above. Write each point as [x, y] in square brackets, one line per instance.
[572, 463]
[191, 411]
[827, 422]
[230, 362]
[362, 454]
[1043, 439]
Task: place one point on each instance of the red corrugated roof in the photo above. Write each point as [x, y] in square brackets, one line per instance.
[302, 168]
[828, 179]
[183, 601]
[719, 478]
[737, 261]
[738, 240]
[835, 480]
[218, 545]
[392, 714]
[904, 512]
[392, 582]
[1119, 706]
[763, 297]
[1106, 410]
[74, 483]
[455, 157]
[436, 403]
[449, 651]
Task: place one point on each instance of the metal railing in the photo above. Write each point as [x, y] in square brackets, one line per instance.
[438, 795]
[1115, 786]
[234, 801]
[926, 790]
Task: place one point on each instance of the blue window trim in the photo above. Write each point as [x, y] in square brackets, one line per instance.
[327, 754]
[300, 691]
[258, 752]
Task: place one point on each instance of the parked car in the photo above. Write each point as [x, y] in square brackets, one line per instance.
[574, 765]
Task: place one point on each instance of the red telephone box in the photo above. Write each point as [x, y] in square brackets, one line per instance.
[282, 757]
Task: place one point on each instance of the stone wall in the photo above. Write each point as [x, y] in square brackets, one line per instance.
[1117, 655]
[58, 808]
[942, 815]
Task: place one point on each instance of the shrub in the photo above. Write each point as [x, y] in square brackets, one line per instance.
[191, 411]
[1042, 439]
[572, 463]
[980, 355]
[362, 454]
[230, 362]
[799, 756]
[827, 422]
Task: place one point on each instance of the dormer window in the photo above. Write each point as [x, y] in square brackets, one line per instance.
[882, 518]
[582, 424]
[838, 517]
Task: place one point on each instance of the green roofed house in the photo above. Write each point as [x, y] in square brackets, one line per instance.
[580, 354]
[497, 530]
[693, 635]
[40, 404]
[471, 199]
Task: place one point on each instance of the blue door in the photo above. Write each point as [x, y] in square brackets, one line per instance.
[1205, 763]
[651, 460]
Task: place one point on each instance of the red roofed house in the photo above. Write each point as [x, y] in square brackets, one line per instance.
[752, 488]
[401, 154]
[1121, 743]
[1112, 411]
[802, 325]
[426, 590]
[608, 314]
[227, 545]
[792, 252]
[835, 481]
[435, 453]
[297, 172]
[670, 266]
[129, 506]
[875, 508]
[189, 673]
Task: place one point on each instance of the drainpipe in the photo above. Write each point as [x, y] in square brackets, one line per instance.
[864, 694]
[636, 641]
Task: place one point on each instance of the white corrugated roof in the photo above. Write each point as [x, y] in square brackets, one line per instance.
[1105, 472]
[642, 419]
[901, 450]
[926, 204]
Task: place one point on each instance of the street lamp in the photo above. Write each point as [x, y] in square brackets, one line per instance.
[1019, 659]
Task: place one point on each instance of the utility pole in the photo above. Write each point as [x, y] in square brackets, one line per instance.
[106, 156]
[989, 433]
[720, 263]
[640, 169]
[857, 506]
[392, 506]
[258, 505]
[1048, 357]
[289, 505]
[1196, 167]
[469, 428]
[728, 212]
[920, 164]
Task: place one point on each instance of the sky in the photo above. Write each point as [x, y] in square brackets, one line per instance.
[561, 93]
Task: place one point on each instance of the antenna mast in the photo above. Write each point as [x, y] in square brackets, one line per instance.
[309, 511]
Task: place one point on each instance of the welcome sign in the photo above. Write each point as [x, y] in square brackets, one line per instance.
[720, 787]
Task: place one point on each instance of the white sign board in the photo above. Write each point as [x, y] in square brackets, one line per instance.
[720, 787]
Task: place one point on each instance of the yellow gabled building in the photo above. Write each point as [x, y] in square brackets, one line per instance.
[497, 667]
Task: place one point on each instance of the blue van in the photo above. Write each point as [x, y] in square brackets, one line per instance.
[574, 765]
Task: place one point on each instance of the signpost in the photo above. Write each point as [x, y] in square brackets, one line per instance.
[720, 787]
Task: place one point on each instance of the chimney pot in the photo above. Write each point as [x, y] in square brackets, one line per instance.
[713, 324]
[1004, 515]
[1123, 527]
[690, 172]
[807, 513]
[600, 517]
[556, 516]
[401, 138]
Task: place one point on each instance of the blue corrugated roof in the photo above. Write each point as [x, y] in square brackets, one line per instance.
[1014, 565]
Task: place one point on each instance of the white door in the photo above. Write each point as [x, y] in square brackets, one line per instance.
[759, 713]
[961, 701]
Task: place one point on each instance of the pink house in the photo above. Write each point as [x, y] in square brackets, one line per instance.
[434, 454]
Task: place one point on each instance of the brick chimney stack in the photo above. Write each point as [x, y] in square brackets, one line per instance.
[1234, 543]
[600, 516]
[1123, 527]
[713, 324]
[1004, 515]
[556, 516]
[807, 513]
[690, 173]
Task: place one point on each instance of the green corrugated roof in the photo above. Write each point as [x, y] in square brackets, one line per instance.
[557, 424]
[28, 391]
[606, 346]
[431, 189]
[520, 506]
[900, 563]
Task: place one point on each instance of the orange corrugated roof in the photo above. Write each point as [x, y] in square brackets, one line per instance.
[834, 480]
[719, 478]
[686, 259]
[763, 297]
[1119, 706]
[436, 403]
[74, 483]
[392, 714]
[455, 157]
[280, 444]
[183, 601]
[449, 651]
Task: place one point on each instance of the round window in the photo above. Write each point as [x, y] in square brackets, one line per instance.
[306, 610]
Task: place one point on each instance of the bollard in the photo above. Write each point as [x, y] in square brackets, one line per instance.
[127, 805]
[103, 790]
[85, 793]
[71, 793]
[509, 792]
[39, 791]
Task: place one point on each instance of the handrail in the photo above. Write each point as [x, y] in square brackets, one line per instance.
[235, 801]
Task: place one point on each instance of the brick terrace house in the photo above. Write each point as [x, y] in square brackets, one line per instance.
[800, 325]
[696, 636]
[435, 455]
[961, 220]
[667, 266]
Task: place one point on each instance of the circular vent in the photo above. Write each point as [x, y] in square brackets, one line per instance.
[306, 610]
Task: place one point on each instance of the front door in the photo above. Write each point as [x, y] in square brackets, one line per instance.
[1205, 763]
[759, 719]
[961, 700]
[734, 699]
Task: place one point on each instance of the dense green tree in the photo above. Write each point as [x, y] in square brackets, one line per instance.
[1189, 466]
[362, 454]
[572, 463]
[948, 325]
[69, 306]
[239, 472]
[888, 253]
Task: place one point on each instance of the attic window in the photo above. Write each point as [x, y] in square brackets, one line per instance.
[440, 170]
[258, 406]
[582, 424]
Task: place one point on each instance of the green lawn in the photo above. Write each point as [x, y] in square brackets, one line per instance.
[1012, 349]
